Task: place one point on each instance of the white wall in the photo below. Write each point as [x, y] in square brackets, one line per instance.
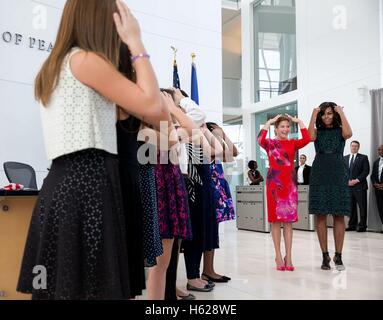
[164, 23]
[332, 64]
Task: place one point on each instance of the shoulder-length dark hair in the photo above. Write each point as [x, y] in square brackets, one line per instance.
[337, 121]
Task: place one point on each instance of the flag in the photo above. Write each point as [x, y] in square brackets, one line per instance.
[194, 83]
[176, 78]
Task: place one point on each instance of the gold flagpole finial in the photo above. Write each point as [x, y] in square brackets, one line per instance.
[194, 56]
[175, 50]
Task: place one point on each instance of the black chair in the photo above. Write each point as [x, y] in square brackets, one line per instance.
[21, 173]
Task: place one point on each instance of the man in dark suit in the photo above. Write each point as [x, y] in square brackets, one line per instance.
[303, 171]
[377, 181]
[358, 170]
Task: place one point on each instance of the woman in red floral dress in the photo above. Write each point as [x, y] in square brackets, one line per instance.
[282, 194]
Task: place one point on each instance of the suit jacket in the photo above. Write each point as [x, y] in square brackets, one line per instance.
[360, 171]
[375, 172]
[306, 174]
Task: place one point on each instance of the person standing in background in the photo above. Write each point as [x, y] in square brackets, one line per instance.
[377, 181]
[253, 174]
[329, 193]
[358, 171]
[303, 171]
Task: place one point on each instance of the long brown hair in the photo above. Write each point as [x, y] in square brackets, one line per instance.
[88, 25]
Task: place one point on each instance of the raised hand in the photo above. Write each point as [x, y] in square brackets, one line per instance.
[339, 109]
[178, 96]
[168, 101]
[272, 121]
[293, 119]
[127, 25]
[316, 111]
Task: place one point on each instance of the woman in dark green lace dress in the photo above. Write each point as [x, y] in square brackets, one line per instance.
[329, 191]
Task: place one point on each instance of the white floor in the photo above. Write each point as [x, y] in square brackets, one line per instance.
[248, 258]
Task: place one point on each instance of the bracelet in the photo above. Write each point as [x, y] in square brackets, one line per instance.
[141, 55]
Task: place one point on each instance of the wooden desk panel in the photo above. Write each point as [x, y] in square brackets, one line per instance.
[14, 225]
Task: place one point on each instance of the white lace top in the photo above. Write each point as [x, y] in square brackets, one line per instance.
[77, 117]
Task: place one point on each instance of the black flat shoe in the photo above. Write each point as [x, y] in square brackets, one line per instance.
[326, 261]
[219, 280]
[188, 297]
[206, 288]
[361, 230]
[351, 229]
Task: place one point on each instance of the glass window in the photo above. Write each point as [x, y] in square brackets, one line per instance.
[234, 170]
[275, 48]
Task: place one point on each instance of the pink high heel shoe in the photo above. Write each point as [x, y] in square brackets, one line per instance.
[280, 268]
[289, 268]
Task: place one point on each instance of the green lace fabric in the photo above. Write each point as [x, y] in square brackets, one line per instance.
[329, 191]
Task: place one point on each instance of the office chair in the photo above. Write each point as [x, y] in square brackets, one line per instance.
[21, 173]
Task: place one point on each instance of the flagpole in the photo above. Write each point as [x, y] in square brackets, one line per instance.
[176, 78]
[175, 50]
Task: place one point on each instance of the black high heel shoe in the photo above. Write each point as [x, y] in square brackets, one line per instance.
[326, 261]
[338, 262]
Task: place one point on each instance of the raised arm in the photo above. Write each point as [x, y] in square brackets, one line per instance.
[263, 142]
[141, 98]
[215, 145]
[184, 121]
[312, 131]
[230, 150]
[346, 128]
[301, 143]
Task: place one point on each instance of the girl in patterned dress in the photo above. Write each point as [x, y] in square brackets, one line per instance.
[172, 201]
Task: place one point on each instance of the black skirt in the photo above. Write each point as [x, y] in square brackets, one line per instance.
[77, 232]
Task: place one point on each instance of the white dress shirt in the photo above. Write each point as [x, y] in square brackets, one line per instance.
[352, 155]
[196, 114]
[300, 174]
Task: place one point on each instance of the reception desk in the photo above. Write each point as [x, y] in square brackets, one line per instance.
[252, 209]
[15, 215]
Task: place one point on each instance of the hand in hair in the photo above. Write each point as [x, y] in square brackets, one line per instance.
[293, 119]
[168, 101]
[338, 109]
[272, 121]
[178, 96]
[127, 27]
[316, 111]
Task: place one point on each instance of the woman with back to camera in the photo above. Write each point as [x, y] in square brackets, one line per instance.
[281, 183]
[329, 192]
[77, 230]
